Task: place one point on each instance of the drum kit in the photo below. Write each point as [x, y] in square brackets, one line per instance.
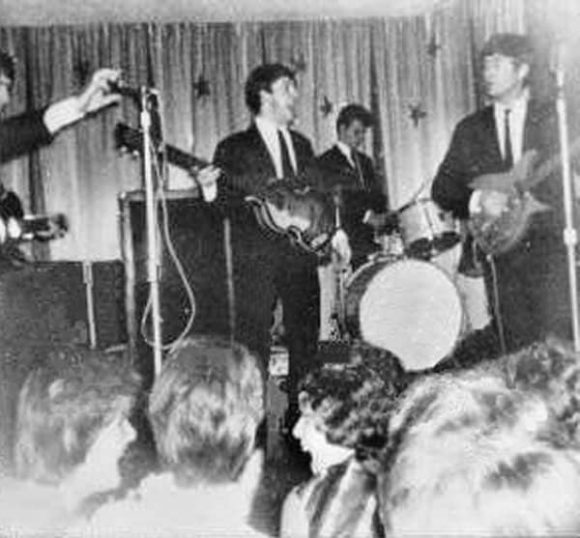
[400, 300]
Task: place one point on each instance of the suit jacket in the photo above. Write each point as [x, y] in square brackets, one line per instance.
[248, 168]
[22, 134]
[532, 281]
[360, 192]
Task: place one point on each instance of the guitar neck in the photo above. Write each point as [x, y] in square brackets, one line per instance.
[182, 159]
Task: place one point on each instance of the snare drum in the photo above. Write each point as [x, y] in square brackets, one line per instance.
[426, 229]
[408, 307]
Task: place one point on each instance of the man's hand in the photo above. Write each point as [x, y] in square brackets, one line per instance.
[207, 179]
[97, 94]
[341, 251]
[493, 203]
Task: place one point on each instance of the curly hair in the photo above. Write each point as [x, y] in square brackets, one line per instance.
[63, 406]
[205, 408]
[351, 403]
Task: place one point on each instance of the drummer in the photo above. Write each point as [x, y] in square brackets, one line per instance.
[350, 175]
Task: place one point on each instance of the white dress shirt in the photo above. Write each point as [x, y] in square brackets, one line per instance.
[269, 132]
[517, 119]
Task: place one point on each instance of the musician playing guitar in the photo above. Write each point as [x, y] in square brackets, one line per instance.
[265, 265]
[476, 179]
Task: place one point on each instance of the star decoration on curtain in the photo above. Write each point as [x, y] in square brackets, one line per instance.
[298, 63]
[201, 87]
[416, 113]
[433, 47]
[326, 106]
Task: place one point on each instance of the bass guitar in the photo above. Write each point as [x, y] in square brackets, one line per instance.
[297, 212]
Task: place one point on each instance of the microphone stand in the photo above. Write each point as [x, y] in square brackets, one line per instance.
[145, 118]
[570, 236]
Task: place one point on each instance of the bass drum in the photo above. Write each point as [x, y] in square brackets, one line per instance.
[408, 307]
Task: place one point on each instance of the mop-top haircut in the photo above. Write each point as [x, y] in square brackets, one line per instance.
[205, 408]
[469, 455]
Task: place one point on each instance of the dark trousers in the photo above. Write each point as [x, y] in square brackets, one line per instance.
[268, 267]
[534, 299]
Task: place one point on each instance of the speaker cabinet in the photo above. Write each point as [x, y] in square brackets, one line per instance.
[191, 253]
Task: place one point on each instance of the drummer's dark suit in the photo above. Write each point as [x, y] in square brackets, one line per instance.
[532, 278]
[361, 191]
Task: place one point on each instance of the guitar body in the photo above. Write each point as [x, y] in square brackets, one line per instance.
[498, 234]
[303, 215]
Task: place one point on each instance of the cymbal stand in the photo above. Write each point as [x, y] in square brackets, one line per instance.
[570, 235]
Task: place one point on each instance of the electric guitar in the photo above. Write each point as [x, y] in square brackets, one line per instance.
[299, 213]
[497, 234]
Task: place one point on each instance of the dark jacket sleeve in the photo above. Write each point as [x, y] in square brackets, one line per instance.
[450, 189]
[22, 134]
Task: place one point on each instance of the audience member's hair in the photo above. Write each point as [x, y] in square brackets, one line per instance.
[353, 112]
[7, 65]
[205, 408]
[351, 403]
[261, 79]
[550, 369]
[64, 405]
[470, 455]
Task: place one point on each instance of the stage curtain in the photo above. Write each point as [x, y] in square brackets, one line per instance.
[417, 75]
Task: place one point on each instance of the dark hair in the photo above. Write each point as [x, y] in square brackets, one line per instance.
[205, 408]
[514, 46]
[7, 65]
[64, 405]
[261, 79]
[353, 112]
[351, 403]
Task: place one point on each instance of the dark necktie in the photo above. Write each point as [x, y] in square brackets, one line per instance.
[508, 155]
[287, 168]
[357, 168]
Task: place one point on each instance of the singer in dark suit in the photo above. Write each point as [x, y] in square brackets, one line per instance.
[265, 265]
[350, 174]
[532, 284]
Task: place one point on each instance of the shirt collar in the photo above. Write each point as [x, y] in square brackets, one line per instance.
[345, 149]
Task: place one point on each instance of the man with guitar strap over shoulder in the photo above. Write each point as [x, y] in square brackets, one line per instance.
[489, 179]
[268, 156]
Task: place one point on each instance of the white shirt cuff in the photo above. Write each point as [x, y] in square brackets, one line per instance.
[61, 114]
[475, 202]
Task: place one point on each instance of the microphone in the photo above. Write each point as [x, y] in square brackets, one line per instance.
[124, 89]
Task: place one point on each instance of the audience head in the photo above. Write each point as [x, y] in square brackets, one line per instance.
[507, 60]
[343, 407]
[550, 370]
[205, 408]
[75, 411]
[7, 75]
[271, 91]
[352, 123]
[469, 455]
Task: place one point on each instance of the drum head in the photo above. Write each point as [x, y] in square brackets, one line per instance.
[412, 309]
